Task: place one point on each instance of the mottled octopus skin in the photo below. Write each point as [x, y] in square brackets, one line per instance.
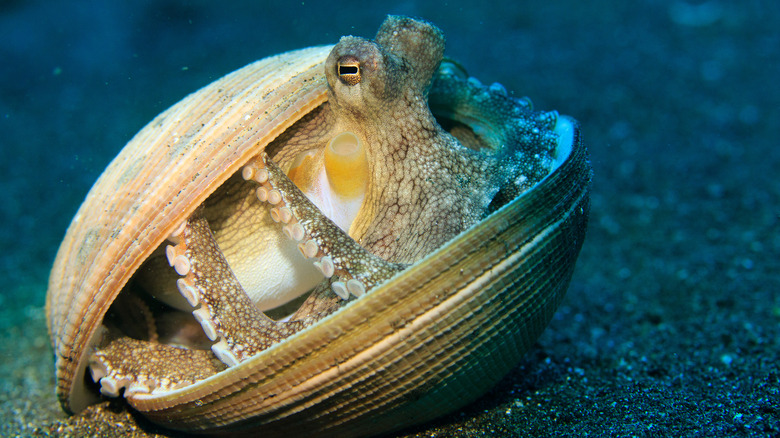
[455, 262]
[388, 109]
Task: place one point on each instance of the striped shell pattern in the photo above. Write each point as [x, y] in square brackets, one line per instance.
[335, 241]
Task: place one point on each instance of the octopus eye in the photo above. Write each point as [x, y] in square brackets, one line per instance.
[348, 69]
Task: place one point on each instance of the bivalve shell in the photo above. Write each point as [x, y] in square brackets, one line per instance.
[428, 337]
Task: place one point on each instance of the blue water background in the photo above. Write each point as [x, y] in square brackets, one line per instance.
[677, 284]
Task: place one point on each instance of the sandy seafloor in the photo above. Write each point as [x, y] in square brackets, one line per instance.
[671, 326]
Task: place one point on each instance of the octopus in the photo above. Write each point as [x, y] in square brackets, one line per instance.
[357, 190]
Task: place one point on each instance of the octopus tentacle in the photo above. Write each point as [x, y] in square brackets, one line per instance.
[522, 139]
[319, 304]
[142, 367]
[335, 253]
[224, 310]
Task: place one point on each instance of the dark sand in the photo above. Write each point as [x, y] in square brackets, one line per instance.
[671, 326]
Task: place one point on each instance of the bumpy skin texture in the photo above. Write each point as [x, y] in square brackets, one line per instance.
[424, 187]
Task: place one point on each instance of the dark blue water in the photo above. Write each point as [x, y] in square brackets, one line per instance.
[672, 322]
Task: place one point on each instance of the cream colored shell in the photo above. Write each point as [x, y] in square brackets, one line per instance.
[426, 342]
[160, 178]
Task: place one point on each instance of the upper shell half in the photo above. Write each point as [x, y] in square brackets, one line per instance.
[446, 319]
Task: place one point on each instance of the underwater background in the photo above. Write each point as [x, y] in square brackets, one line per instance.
[671, 326]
